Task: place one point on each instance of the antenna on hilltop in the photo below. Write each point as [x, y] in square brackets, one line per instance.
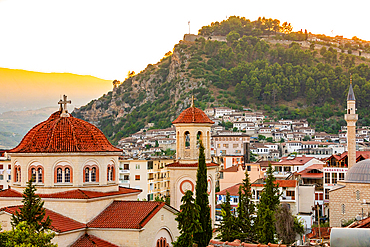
[189, 26]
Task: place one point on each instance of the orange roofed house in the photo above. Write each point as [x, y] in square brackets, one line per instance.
[75, 171]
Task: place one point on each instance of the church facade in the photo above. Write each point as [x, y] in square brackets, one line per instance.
[75, 170]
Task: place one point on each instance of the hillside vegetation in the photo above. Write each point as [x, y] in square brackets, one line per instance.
[284, 80]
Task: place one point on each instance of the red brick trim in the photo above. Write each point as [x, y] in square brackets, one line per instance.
[63, 167]
[192, 186]
[36, 168]
[90, 167]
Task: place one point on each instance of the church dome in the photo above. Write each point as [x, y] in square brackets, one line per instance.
[359, 172]
[193, 115]
[64, 133]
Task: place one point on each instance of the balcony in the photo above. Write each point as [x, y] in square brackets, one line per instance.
[122, 181]
[124, 171]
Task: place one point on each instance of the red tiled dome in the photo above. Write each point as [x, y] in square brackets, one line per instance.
[64, 134]
[193, 115]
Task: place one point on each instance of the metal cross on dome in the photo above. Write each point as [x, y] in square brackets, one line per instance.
[192, 100]
[63, 104]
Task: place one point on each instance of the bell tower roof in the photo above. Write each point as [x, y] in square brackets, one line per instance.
[193, 115]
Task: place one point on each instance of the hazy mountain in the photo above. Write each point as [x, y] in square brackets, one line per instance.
[25, 90]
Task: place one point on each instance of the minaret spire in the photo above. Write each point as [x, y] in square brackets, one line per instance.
[351, 118]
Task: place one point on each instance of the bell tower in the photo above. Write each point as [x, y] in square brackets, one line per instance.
[351, 118]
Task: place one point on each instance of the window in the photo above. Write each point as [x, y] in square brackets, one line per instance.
[357, 195]
[33, 172]
[39, 175]
[341, 176]
[218, 145]
[235, 145]
[1, 177]
[93, 174]
[343, 209]
[291, 194]
[327, 194]
[235, 200]
[126, 177]
[67, 175]
[327, 178]
[126, 166]
[59, 175]
[137, 177]
[137, 166]
[1, 166]
[249, 168]
[87, 175]
[226, 145]
[334, 178]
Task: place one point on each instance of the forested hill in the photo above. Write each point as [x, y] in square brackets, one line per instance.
[257, 67]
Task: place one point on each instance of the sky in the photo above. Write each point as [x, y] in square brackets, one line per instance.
[108, 38]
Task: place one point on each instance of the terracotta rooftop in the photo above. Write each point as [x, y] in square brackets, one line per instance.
[233, 168]
[315, 234]
[59, 223]
[74, 194]
[126, 214]
[233, 190]
[177, 164]
[282, 183]
[88, 240]
[193, 115]
[365, 223]
[64, 134]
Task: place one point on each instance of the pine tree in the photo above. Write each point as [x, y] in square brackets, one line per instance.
[245, 211]
[227, 228]
[32, 211]
[268, 204]
[202, 238]
[188, 220]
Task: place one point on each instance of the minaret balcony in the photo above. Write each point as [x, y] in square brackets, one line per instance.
[351, 117]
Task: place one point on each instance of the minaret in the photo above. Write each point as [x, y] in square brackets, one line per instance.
[351, 118]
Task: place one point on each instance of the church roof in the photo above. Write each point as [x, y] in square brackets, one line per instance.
[88, 240]
[73, 194]
[193, 115]
[59, 223]
[126, 214]
[60, 134]
[177, 164]
[233, 190]
[351, 95]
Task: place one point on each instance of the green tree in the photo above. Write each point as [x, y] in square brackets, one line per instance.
[261, 137]
[188, 221]
[202, 238]
[227, 227]
[25, 235]
[306, 138]
[285, 224]
[266, 208]
[32, 211]
[246, 211]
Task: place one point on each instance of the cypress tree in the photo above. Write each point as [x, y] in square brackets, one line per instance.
[188, 220]
[32, 211]
[227, 228]
[245, 211]
[267, 206]
[202, 238]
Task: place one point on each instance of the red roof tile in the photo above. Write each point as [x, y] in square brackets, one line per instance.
[193, 115]
[126, 214]
[64, 134]
[233, 190]
[177, 164]
[59, 223]
[74, 194]
[365, 223]
[233, 168]
[88, 240]
[282, 183]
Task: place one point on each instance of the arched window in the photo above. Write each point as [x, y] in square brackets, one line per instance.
[39, 175]
[67, 175]
[93, 174]
[87, 175]
[59, 175]
[108, 173]
[343, 209]
[33, 172]
[357, 195]
[187, 139]
[199, 138]
[17, 174]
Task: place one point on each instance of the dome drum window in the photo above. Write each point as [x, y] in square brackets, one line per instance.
[36, 173]
[91, 174]
[63, 174]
